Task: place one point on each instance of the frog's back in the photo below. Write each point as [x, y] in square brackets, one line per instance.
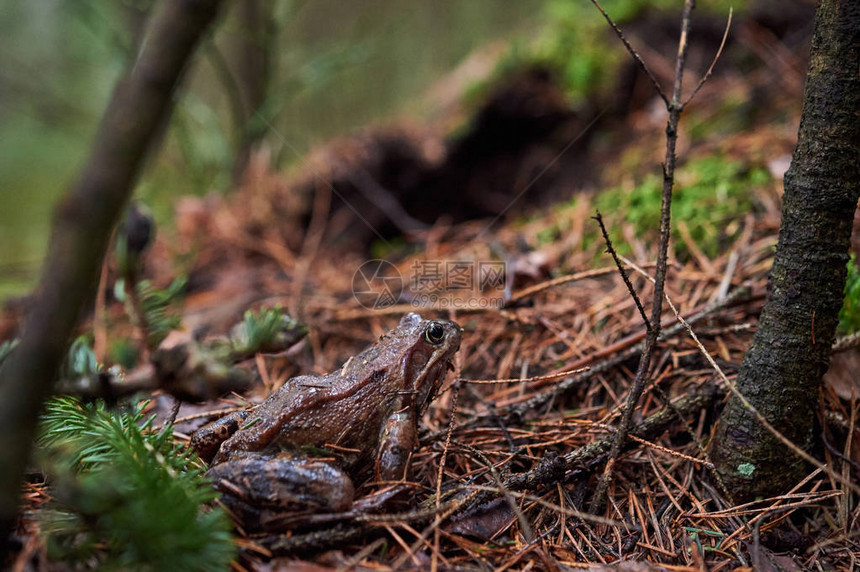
[320, 411]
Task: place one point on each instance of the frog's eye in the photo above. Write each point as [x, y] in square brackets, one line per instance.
[435, 333]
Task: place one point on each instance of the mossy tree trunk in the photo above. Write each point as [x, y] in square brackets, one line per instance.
[782, 371]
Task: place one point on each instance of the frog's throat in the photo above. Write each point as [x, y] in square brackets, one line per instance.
[430, 376]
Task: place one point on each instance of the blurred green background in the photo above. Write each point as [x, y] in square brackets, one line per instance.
[300, 73]
[337, 65]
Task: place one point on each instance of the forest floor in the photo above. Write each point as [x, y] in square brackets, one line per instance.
[549, 351]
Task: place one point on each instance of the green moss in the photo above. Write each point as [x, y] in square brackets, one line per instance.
[709, 194]
[548, 235]
[389, 249]
[849, 315]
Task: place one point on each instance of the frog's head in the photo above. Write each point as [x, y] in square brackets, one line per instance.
[430, 346]
[411, 360]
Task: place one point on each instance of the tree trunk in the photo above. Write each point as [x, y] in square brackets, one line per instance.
[83, 223]
[782, 371]
[255, 51]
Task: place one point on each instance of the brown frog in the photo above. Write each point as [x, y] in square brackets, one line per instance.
[362, 418]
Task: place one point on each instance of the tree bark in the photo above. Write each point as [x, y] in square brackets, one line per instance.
[782, 371]
[83, 223]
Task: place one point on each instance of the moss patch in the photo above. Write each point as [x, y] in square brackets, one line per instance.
[849, 315]
[710, 195]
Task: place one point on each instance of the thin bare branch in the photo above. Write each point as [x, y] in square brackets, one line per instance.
[633, 52]
[674, 107]
[435, 562]
[84, 220]
[611, 251]
[525, 379]
[710, 71]
[761, 418]
[532, 290]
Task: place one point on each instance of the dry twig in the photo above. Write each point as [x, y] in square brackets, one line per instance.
[674, 107]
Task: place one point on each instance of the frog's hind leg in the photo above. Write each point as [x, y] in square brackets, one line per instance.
[262, 489]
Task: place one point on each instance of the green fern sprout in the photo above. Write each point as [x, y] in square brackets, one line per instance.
[127, 497]
[263, 331]
[80, 360]
[156, 305]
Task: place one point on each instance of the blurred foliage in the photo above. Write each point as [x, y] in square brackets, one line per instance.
[6, 348]
[123, 352]
[80, 360]
[731, 113]
[336, 66]
[50, 100]
[577, 44]
[263, 330]
[158, 308]
[157, 305]
[849, 315]
[126, 496]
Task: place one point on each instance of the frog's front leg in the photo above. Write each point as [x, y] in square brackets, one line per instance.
[261, 489]
[396, 443]
[258, 432]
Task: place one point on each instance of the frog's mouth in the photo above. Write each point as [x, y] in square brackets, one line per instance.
[430, 380]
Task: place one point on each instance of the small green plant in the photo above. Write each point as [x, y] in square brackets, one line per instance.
[264, 331]
[80, 360]
[157, 307]
[124, 353]
[6, 348]
[155, 312]
[849, 315]
[126, 496]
